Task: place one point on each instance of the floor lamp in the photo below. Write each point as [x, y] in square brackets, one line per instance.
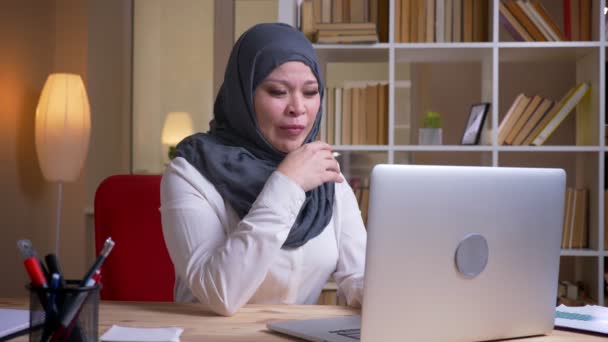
[63, 128]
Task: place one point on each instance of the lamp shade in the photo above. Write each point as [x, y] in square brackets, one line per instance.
[178, 125]
[63, 127]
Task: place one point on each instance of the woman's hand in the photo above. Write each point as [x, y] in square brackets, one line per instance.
[311, 165]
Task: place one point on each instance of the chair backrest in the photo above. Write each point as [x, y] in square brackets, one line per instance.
[139, 267]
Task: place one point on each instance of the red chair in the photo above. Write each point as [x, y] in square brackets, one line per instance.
[139, 267]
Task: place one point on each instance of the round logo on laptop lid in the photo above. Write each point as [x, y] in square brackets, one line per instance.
[472, 255]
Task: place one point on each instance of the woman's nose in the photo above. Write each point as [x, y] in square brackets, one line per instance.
[296, 105]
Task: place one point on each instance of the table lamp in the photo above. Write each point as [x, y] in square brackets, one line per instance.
[178, 125]
[63, 127]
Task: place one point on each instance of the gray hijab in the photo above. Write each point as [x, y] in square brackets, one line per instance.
[234, 155]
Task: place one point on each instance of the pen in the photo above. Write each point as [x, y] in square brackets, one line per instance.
[107, 248]
[52, 263]
[32, 264]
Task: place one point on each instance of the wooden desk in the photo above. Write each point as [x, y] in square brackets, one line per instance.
[247, 325]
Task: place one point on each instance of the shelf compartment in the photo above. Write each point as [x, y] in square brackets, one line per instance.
[582, 171]
[582, 270]
[543, 52]
[551, 78]
[472, 52]
[438, 87]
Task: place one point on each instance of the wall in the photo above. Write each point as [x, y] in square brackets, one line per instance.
[173, 71]
[26, 200]
[60, 36]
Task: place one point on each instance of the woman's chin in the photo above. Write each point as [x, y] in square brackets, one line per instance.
[288, 146]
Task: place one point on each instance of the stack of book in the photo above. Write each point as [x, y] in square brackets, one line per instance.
[528, 20]
[575, 231]
[532, 119]
[344, 21]
[428, 21]
[345, 33]
[355, 116]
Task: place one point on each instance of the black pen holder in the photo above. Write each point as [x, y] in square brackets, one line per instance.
[69, 313]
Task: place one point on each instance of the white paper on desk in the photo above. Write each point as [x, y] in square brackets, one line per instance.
[13, 320]
[125, 334]
[589, 317]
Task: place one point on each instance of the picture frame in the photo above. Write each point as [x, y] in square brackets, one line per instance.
[475, 123]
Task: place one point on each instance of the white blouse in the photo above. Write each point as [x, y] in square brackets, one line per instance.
[225, 262]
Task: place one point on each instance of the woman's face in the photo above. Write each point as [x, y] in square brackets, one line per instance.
[286, 105]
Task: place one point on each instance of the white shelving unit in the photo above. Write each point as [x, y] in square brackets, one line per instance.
[581, 148]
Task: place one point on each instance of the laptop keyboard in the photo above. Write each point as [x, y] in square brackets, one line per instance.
[355, 334]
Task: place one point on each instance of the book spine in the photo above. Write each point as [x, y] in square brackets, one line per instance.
[568, 107]
[567, 29]
[512, 31]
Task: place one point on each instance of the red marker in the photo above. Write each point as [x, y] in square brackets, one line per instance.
[32, 265]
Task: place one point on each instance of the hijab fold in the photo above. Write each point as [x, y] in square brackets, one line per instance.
[234, 155]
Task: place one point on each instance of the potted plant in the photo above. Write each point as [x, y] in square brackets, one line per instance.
[431, 132]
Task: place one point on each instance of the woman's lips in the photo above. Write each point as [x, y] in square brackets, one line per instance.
[292, 130]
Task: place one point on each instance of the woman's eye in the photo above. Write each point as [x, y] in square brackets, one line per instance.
[311, 92]
[277, 92]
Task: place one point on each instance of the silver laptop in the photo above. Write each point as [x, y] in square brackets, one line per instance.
[454, 254]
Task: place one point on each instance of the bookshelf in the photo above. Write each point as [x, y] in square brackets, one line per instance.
[450, 76]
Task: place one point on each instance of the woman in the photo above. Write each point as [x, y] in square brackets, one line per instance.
[256, 211]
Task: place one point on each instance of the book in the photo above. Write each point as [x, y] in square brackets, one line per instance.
[348, 39]
[575, 29]
[361, 138]
[457, 21]
[371, 115]
[467, 20]
[440, 21]
[567, 14]
[413, 18]
[517, 107]
[447, 12]
[383, 114]
[517, 31]
[430, 21]
[480, 20]
[356, 117]
[336, 11]
[383, 19]
[331, 115]
[347, 116]
[535, 19]
[545, 119]
[421, 30]
[521, 119]
[543, 109]
[567, 218]
[338, 33]
[346, 26]
[542, 11]
[326, 11]
[523, 19]
[357, 11]
[338, 117]
[307, 25]
[568, 105]
[585, 20]
[400, 36]
[579, 229]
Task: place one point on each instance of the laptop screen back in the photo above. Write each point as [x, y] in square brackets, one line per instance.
[420, 216]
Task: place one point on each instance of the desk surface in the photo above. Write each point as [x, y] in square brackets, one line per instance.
[249, 324]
